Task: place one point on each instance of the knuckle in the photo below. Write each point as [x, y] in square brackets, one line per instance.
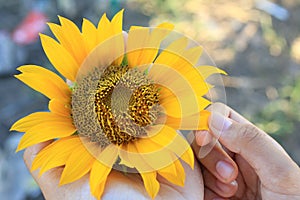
[249, 133]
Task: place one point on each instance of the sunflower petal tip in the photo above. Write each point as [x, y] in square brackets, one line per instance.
[18, 149]
[192, 164]
[40, 174]
[12, 128]
[180, 183]
[19, 68]
[61, 182]
[166, 25]
[33, 168]
[121, 11]
[42, 35]
[49, 23]
[60, 17]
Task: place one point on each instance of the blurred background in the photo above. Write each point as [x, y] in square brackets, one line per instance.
[256, 42]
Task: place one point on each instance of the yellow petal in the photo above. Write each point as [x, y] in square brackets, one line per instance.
[117, 22]
[143, 45]
[180, 171]
[174, 173]
[110, 45]
[156, 156]
[34, 119]
[104, 29]
[182, 79]
[103, 55]
[135, 158]
[60, 107]
[196, 79]
[182, 62]
[44, 81]
[60, 58]
[192, 55]
[101, 168]
[98, 176]
[137, 38]
[177, 56]
[169, 138]
[188, 157]
[170, 102]
[55, 154]
[99, 190]
[124, 160]
[162, 30]
[173, 52]
[198, 121]
[151, 47]
[46, 131]
[89, 34]
[207, 71]
[184, 91]
[110, 38]
[151, 184]
[119, 47]
[70, 38]
[109, 155]
[78, 164]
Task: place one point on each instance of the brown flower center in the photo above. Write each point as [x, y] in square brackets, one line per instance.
[125, 102]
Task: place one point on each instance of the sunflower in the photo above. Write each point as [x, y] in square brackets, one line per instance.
[120, 105]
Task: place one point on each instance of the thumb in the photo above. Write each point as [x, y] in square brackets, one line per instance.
[261, 151]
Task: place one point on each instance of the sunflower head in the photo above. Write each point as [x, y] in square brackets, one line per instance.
[125, 99]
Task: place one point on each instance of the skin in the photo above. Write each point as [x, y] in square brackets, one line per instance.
[265, 170]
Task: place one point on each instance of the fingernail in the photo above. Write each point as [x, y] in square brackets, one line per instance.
[219, 122]
[202, 137]
[224, 169]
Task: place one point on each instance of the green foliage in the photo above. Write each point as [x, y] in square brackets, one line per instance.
[281, 116]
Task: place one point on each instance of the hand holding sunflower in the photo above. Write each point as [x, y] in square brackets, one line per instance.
[118, 186]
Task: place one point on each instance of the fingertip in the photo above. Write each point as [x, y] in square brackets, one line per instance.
[227, 190]
[203, 138]
[227, 170]
[219, 122]
[125, 36]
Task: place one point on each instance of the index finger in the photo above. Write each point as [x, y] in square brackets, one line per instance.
[227, 112]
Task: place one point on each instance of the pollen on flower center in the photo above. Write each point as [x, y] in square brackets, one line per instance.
[125, 101]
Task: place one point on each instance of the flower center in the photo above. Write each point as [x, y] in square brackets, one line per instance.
[125, 102]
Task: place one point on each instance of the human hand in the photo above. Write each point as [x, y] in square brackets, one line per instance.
[265, 169]
[119, 186]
